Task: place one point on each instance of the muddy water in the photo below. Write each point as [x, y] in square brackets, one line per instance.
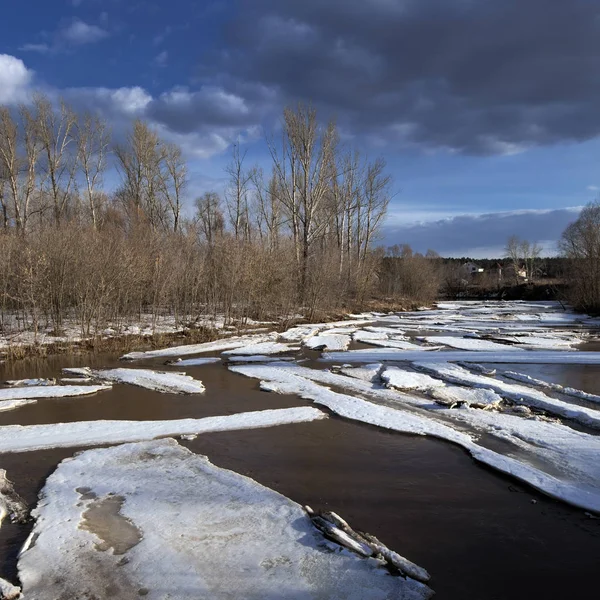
[476, 531]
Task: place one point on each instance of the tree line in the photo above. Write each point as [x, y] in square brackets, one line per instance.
[296, 238]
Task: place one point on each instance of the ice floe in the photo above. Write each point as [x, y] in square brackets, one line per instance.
[194, 362]
[8, 591]
[13, 404]
[265, 348]
[401, 379]
[29, 382]
[546, 461]
[368, 373]
[216, 346]
[518, 356]
[155, 520]
[11, 504]
[567, 391]
[49, 391]
[517, 393]
[331, 342]
[259, 358]
[400, 344]
[25, 438]
[453, 396]
[158, 381]
[468, 344]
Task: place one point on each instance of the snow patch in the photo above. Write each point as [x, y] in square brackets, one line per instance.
[207, 533]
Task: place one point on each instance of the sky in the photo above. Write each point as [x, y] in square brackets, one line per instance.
[486, 111]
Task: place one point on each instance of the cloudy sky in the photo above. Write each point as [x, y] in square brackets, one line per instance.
[487, 111]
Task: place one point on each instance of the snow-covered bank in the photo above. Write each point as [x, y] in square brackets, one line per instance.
[177, 526]
[26, 438]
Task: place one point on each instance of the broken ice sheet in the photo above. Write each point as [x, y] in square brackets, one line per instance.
[25, 438]
[401, 379]
[264, 348]
[329, 342]
[543, 462]
[49, 391]
[194, 362]
[178, 526]
[158, 381]
[519, 394]
[216, 346]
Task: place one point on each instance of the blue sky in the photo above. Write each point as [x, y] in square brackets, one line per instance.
[479, 108]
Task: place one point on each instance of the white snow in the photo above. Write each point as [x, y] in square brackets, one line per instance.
[194, 362]
[25, 438]
[468, 344]
[519, 356]
[402, 379]
[264, 348]
[217, 346]
[331, 342]
[368, 373]
[159, 381]
[364, 336]
[29, 382]
[543, 342]
[50, 391]
[259, 358]
[298, 334]
[477, 398]
[546, 461]
[11, 504]
[400, 344]
[12, 404]
[8, 591]
[183, 528]
[517, 393]
[568, 391]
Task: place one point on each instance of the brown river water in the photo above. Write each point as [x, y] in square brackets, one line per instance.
[481, 535]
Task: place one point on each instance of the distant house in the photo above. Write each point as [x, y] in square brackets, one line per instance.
[518, 272]
[472, 269]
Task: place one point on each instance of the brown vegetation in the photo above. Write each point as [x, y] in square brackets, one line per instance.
[297, 240]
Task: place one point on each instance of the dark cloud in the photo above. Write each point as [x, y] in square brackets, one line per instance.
[475, 76]
[483, 235]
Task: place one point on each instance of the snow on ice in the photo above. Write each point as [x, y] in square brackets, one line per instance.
[158, 381]
[25, 438]
[519, 394]
[402, 379]
[155, 520]
[331, 342]
[541, 465]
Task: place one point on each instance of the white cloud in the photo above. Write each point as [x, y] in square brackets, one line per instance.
[79, 32]
[593, 188]
[161, 59]
[41, 48]
[15, 79]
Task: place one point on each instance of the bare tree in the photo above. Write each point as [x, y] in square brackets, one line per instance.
[173, 180]
[580, 242]
[93, 139]
[209, 216]
[236, 194]
[55, 131]
[305, 170]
